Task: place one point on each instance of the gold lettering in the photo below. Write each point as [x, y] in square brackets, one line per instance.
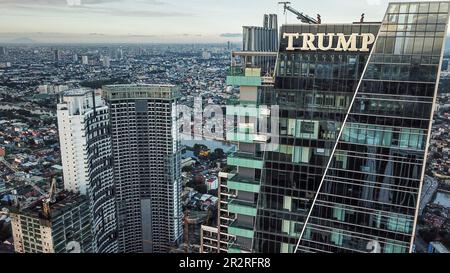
[290, 40]
[320, 41]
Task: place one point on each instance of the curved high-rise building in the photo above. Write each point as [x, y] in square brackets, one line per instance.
[83, 121]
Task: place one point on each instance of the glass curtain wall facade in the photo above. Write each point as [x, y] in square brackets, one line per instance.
[367, 200]
[313, 90]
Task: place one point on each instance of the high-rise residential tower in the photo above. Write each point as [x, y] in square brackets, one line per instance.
[85, 141]
[238, 189]
[147, 160]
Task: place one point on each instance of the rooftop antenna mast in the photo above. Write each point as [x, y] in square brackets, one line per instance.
[300, 16]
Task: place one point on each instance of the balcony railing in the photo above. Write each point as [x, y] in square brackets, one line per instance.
[243, 184]
[244, 80]
[245, 135]
[233, 101]
[238, 228]
[242, 207]
[236, 71]
[233, 247]
[247, 160]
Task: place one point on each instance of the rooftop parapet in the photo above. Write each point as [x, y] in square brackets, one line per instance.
[140, 91]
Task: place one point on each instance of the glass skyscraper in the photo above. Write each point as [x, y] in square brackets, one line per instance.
[355, 108]
[368, 198]
[313, 90]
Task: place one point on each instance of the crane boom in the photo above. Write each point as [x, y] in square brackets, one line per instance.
[300, 16]
[52, 191]
[46, 202]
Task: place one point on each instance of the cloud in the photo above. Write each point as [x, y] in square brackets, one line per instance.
[142, 35]
[191, 35]
[231, 35]
[64, 2]
[143, 13]
[131, 8]
[79, 38]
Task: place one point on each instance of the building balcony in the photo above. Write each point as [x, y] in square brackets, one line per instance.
[233, 101]
[235, 136]
[243, 184]
[242, 207]
[246, 128]
[245, 109]
[244, 80]
[236, 71]
[247, 160]
[240, 70]
[226, 217]
[241, 230]
[235, 248]
[268, 80]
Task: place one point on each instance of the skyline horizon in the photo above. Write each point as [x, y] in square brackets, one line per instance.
[162, 21]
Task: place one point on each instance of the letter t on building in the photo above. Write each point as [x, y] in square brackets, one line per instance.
[290, 39]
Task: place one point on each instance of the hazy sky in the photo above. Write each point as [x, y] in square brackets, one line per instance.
[161, 20]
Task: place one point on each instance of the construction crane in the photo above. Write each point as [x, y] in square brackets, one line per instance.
[186, 231]
[300, 16]
[36, 188]
[208, 217]
[49, 199]
[52, 191]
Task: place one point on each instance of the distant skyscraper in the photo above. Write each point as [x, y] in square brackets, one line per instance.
[270, 21]
[262, 39]
[75, 57]
[3, 51]
[64, 227]
[146, 153]
[85, 60]
[106, 61]
[119, 53]
[206, 55]
[83, 122]
[57, 55]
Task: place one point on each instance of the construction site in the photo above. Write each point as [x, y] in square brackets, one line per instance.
[192, 222]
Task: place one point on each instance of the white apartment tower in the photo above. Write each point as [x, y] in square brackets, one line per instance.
[83, 122]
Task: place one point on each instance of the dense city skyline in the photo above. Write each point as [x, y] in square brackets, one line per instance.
[296, 133]
[158, 21]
